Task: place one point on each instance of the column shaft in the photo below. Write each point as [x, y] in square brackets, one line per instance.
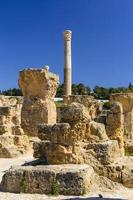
[67, 63]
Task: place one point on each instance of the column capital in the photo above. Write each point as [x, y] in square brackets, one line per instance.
[67, 35]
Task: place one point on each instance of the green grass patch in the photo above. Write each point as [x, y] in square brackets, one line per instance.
[59, 104]
[55, 189]
[128, 153]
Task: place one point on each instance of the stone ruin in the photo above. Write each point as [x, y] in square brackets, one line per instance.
[77, 154]
[120, 120]
[39, 88]
[126, 104]
[13, 141]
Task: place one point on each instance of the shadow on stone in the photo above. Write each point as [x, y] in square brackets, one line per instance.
[1, 190]
[36, 162]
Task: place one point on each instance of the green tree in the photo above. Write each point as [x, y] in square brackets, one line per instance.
[60, 91]
[12, 92]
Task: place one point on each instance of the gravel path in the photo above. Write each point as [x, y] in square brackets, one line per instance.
[5, 164]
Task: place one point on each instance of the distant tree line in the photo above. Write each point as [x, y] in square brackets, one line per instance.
[79, 89]
[11, 92]
[104, 93]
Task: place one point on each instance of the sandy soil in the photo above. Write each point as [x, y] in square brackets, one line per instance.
[5, 164]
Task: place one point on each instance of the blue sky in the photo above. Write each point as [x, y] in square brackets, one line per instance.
[102, 43]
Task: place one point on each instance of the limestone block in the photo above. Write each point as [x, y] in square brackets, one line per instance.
[10, 115]
[6, 140]
[80, 132]
[63, 133]
[54, 153]
[97, 132]
[9, 151]
[120, 171]
[127, 177]
[13, 145]
[58, 153]
[115, 123]
[93, 106]
[35, 112]
[39, 88]
[57, 133]
[13, 142]
[74, 113]
[127, 105]
[115, 115]
[105, 152]
[70, 179]
[125, 99]
[7, 147]
[10, 100]
[38, 83]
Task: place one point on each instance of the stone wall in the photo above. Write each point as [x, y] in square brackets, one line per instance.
[13, 141]
[10, 100]
[126, 101]
[76, 140]
[93, 106]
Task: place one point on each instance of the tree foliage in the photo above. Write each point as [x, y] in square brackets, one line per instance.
[80, 89]
[104, 93]
[11, 92]
[77, 89]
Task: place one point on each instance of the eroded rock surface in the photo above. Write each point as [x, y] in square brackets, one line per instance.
[93, 106]
[39, 88]
[126, 101]
[78, 141]
[68, 179]
[115, 124]
[10, 100]
[13, 141]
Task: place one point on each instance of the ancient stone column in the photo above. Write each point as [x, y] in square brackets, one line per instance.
[67, 62]
[39, 88]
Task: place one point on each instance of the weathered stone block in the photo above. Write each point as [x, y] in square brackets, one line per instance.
[93, 106]
[9, 151]
[57, 133]
[39, 88]
[70, 179]
[97, 132]
[126, 101]
[54, 153]
[105, 152]
[13, 146]
[120, 171]
[74, 113]
[115, 124]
